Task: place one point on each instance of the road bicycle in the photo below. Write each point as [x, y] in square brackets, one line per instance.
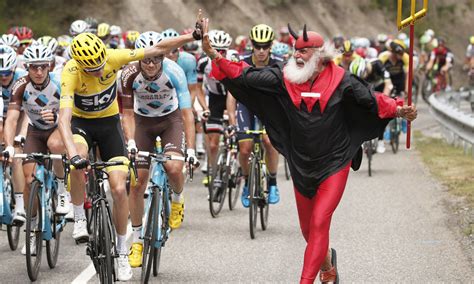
[7, 205]
[156, 231]
[42, 207]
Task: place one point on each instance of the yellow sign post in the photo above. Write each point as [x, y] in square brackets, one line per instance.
[410, 21]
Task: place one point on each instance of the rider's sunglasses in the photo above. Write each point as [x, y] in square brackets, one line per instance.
[37, 66]
[155, 60]
[262, 46]
[6, 73]
[92, 70]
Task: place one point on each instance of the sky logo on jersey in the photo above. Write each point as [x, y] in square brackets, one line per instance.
[41, 100]
[96, 102]
[144, 111]
[155, 104]
[152, 87]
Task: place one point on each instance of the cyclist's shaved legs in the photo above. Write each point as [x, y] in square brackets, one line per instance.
[136, 197]
[117, 180]
[56, 146]
[174, 171]
[78, 182]
[245, 148]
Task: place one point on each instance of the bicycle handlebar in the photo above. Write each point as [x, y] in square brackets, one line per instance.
[163, 158]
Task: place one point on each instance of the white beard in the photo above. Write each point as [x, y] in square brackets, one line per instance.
[299, 75]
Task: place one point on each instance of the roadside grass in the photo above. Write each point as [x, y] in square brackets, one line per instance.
[448, 164]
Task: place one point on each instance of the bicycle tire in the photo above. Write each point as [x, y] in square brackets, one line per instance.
[218, 185]
[253, 190]
[164, 210]
[52, 246]
[369, 150]
[263, 201]
[149, 239]
[235, 183]
[33, 266]
[287, 170]
[13, 232]
[102, 240]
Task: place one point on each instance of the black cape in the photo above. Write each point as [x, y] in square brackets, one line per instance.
[315, 145]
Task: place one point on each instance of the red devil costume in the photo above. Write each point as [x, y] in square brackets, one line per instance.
[318, 126]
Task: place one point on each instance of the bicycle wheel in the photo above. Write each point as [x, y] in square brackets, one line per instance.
[263, 201]
[33, 258]
[102, 242]
[235, 183]
[218, 185]
[149, 239]
[287, 171]
[13, 232]
[254, 184]
[52, 246]
[369, 150]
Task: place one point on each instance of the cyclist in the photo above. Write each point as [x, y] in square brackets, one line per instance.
[374, 72]
[312, 134]
[395, 61]
[338, 42]
[130, 39]
[63, 43]
[380, 45]
[262, 37]
[347, 56]
[89, 110]
[78, 27]
[24, 35]
[469, 54]
[58, 62]
[116, 40]
[188, 63]
[285, 36]
[103, 32]
[156, 102]
[217, 95]
[38, 95]
[91, 25]
[281, 50]
[9, 74]
[441, 60]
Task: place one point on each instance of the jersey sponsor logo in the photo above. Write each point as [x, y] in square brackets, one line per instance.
[41, 100]
[152, 87]
[105, 79]
[96, 102]
[133, 53]
[126, 73]
[73, 69]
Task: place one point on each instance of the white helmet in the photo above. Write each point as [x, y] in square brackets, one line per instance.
[371, 53]
[430, 33]
[115, 30]
[402, 36]
[220, 39]
[50, 42]
[37, 53]
[382, 37]
[7, 58]
[78, 27]
[169, 33]
[148, 39]
[10, 40]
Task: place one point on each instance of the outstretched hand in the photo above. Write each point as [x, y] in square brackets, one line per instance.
[206, 44]
[197, 33]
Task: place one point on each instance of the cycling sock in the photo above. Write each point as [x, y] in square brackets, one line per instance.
[19, 201]
[137, 231]
[272, 179]
[199, 141]
[176, 197]
[315, 219]
[122, 244]
[246, 178]
[79, 213]
[33, 222]
[61, 187]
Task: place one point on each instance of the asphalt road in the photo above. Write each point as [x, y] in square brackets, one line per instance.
[391, 227]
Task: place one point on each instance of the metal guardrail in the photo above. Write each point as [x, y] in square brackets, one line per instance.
[456, 121]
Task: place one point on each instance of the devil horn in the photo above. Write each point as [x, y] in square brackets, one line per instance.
[292, 32]
[305, 34]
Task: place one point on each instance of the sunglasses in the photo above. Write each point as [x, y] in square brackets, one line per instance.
[262, 46]
[92, 70]
[154, 60]
[6, 73]
[37, 66]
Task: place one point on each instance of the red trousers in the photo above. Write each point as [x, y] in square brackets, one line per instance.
[315, 219]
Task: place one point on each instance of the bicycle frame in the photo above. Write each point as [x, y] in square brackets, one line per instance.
[6, 216]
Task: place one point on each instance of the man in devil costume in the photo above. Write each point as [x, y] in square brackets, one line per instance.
[317, 116]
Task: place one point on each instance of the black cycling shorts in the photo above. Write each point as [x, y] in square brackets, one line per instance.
[106, 132]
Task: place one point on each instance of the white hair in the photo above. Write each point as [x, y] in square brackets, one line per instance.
[328, 52]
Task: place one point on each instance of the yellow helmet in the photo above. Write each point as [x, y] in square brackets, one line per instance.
[89, 51]
[262, 34]
[103, 29]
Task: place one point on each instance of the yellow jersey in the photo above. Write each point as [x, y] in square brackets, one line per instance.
[338, 59]
[93, 97]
